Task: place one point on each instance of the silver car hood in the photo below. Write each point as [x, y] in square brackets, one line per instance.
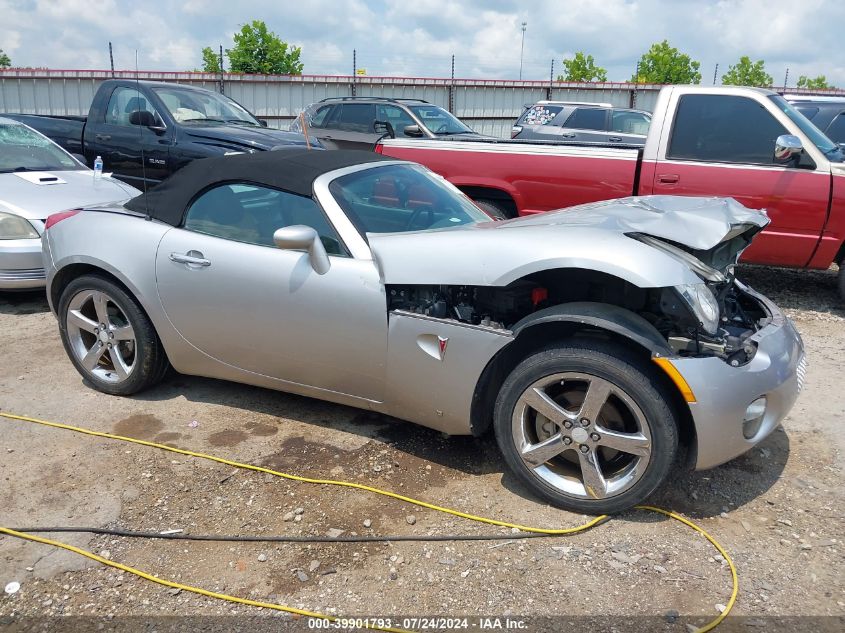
[34, 195]
[596, 236]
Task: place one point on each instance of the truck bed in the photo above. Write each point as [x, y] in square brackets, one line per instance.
[485, 168]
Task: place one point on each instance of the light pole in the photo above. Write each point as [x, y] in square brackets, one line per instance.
[522, 48]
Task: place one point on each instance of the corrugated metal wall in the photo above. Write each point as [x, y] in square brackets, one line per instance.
[488, 106]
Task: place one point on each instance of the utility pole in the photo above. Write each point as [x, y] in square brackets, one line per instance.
[111, 59]
[522, 48]
[221, 69]
[452, 88]
[551, 80]
[715, 73]
[786, 80]
[354, 69]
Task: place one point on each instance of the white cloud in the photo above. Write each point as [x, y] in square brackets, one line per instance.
[394, 37]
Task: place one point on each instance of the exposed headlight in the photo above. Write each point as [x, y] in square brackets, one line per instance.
[703, 303]
[14, 227]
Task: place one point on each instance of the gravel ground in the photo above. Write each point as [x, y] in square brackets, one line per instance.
[778, 510]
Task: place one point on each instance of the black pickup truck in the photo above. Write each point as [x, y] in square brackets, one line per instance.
[168, 125]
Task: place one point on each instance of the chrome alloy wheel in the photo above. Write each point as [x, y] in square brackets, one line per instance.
[582, 435]
[101, 336]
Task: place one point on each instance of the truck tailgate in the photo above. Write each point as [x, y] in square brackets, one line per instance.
[538, 177]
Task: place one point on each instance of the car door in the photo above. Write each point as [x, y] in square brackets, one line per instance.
[351, 126]
[586, 125]
[233, 295]
[124, 140]
[724, 145]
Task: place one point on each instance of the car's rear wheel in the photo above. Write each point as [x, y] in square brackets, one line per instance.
[108, 337]
[587, 427]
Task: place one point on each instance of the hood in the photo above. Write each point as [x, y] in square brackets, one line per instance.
[595, 236]
[36, 195]
[258, 137]
[714, 230]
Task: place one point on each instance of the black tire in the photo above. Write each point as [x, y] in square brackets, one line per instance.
[495, 210]
[150, 362]
[627, 373]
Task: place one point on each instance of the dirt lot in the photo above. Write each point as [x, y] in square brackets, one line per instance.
[778, 510]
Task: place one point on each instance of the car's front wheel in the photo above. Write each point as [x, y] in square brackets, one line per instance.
[108, 337]
[587, 427]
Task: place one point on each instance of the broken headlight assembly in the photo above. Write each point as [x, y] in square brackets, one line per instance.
[703, 304]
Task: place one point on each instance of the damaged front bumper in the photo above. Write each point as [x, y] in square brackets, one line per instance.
[724, 394]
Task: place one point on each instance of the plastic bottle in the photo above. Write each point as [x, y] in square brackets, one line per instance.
[98, 168]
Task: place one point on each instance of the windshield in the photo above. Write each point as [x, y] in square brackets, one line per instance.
[438, 120]
[828, 147]
[400, 198]
[186, 105]
[24, 149]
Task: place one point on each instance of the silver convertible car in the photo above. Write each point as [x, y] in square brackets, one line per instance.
[601, 343]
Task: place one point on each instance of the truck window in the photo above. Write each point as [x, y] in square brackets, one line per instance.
[318, 119]
[587, 119]
[125, 101]
[836, 131]
[807, 111]
[723, 129]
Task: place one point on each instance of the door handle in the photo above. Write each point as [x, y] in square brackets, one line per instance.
[614, 139]
[568, 135]
[668, 179]
[191, 258]
[103, 137]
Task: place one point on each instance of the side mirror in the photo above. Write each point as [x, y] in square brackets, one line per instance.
[298, 238]
[788, 149]
[262, 122]
[412, 130]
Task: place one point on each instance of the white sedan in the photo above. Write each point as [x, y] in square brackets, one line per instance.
[38, 178]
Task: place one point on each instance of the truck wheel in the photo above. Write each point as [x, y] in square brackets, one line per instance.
[586, 427]
[493, 209]
[109, 338]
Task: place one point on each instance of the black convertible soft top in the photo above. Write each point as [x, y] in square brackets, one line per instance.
[292, 170]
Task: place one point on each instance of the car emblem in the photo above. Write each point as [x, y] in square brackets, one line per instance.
[442, 342]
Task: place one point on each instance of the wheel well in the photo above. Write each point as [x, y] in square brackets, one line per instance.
[840, 254]
[534, 338]
[497, 196]
[74, 271]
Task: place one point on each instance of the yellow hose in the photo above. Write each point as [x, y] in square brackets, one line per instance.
[348, 484]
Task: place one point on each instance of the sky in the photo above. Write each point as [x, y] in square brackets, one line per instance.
[419, 37]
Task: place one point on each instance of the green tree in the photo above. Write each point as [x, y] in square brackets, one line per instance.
[582, 68]
[5, 62]
[665, 64]
[259, 50]
[747, 73]
[809, 82]
[210, 61]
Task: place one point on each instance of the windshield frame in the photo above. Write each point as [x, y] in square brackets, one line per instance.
[807, 127]
[228, 102]
[356, 240]
[460, 126]
[43, 142]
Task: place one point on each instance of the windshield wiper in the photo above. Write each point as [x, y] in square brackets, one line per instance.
[242, 122]
[202, 119]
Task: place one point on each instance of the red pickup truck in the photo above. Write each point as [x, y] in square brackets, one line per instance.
[747, 143]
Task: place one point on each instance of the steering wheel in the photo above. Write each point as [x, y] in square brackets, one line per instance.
[412, 221]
